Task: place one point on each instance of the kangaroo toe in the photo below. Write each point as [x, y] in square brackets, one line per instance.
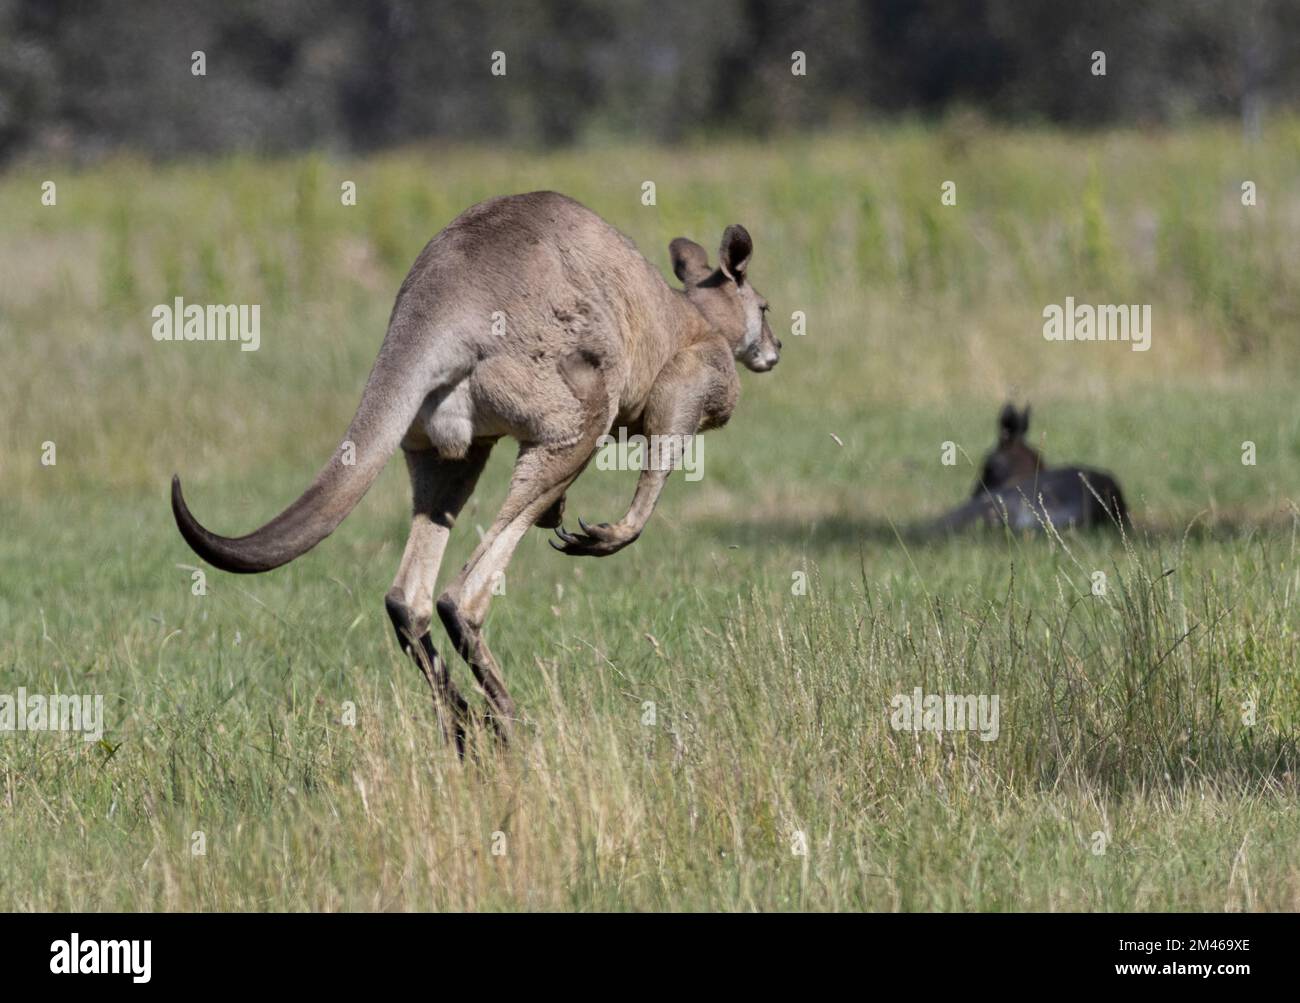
[599, 540]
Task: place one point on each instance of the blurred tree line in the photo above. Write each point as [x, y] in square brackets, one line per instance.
[78, 77]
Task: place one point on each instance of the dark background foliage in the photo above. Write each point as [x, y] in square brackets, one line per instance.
[78, 78]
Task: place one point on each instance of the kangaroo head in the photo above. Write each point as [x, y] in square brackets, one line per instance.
[726, 298]
[1011, 459]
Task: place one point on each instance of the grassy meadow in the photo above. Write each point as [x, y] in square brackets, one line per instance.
[697, 735]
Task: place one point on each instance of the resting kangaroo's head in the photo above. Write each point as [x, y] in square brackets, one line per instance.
[727, 298]
[1011, 459]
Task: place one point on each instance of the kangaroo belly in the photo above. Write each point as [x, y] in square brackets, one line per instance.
[445, 423]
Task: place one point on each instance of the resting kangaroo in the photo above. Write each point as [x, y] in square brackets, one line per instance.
[531, 317]
[1016, 487]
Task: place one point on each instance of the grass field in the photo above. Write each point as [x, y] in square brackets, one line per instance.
[1124, 714]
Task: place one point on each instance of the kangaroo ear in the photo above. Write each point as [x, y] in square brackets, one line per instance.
[735, 251]
[690, 260]
[1008, 422]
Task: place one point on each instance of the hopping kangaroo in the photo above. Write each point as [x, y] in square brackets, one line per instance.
[1018, 489]
[531, 317]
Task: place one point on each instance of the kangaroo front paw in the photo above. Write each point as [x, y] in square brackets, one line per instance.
[599, 540]
[553, 517]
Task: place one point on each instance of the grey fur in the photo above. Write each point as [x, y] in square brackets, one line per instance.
[594, 339]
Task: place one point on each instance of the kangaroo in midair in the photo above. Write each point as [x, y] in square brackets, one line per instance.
[1018, 489]
[531, 317]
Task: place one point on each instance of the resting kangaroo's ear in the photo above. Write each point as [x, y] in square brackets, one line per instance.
[690, 260]
[1008, 422]
[735, 251]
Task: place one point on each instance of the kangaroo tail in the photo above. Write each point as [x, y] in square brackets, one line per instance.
[389, 403]
[974, 511]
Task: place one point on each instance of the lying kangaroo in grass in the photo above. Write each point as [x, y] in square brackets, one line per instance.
[1017, 489]
[531, 317]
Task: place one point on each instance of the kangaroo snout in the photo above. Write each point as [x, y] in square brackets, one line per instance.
[763, 356]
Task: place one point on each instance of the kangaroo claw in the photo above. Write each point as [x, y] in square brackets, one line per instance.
[599, 540]
[600, 531]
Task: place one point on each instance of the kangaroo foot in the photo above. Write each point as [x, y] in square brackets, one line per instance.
[599, 540]
[553, 517]
[450, 707]
[467, 639]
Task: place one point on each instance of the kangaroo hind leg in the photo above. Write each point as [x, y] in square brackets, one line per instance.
[542, 474]
[540, 479]
[439, 489]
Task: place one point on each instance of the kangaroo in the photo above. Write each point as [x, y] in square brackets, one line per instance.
[528, 316]
[1017, 488]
